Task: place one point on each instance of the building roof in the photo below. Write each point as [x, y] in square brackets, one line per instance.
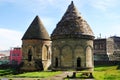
[36, 30]
[115, 38]
[72, 23]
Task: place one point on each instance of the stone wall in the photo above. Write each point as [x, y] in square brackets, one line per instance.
[66, 53]
[36, 54]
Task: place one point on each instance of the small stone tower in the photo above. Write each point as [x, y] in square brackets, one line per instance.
[36, 47]
[72, 42]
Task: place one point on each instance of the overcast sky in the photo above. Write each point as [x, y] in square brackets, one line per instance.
[16, 15]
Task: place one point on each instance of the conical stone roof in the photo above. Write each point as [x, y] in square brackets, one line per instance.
[72, 24]
[36, 30]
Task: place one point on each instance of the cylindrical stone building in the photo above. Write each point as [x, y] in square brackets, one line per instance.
[36, 47]
[72, 42]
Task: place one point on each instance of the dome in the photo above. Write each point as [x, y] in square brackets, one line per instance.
[72, 24]
[36, 31]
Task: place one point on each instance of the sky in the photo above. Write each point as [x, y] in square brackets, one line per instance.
[103, 16]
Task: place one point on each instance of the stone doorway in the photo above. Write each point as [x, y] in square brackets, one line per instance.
[56, 62]
[78, 62]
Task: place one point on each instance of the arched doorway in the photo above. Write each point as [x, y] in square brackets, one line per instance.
[78, 62]
[79, 56]
[66, 52]
[56, 62]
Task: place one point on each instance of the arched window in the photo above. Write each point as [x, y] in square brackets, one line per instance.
[56, 62]
[89, 57]
[67, 52]
[44, 52]
[29, 55]
[78, 62]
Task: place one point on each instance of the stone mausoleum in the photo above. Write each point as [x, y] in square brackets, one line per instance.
[36, 47]
[69, 48]
[72, 42]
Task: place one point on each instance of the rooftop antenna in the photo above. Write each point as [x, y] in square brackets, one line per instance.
[100, 35]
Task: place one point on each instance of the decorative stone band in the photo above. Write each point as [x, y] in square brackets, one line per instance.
[73, 36]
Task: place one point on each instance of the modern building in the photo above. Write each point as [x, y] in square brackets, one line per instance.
[15, 55]
[5, 52]
[101, 50]
[72, 42]
[4, 57]
[107, 49]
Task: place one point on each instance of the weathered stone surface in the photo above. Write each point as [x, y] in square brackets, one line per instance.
[36, 47]
[72, 23]
[72, 42]
[69, 50]
[36, 30]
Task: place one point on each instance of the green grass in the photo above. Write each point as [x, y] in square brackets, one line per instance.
[8, 73]
[100, 73]
[106, 73]
[35, 74]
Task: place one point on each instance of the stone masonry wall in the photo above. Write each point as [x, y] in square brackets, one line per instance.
[38, 49]
[68, 50]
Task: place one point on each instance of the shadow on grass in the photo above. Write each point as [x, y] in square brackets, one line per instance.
[10, 73]
[118, 66]
[5, 72]
[80, 76]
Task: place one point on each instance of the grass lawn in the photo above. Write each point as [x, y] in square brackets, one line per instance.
[106, 73]
[103, 73]
[8, 73]
[100, 73]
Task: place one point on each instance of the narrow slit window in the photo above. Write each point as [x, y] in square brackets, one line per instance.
[29, 55]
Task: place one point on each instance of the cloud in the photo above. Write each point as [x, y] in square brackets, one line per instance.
[114, 30]
[9, 38]
[113, 16]
[8, 1]
[104, 4]
[49, 23]
[38, 6]
[108, 30]
[51, 11]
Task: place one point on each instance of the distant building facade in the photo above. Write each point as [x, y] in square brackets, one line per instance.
[107, 49]
[15, 55]
[5, 52]
[4, 57]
